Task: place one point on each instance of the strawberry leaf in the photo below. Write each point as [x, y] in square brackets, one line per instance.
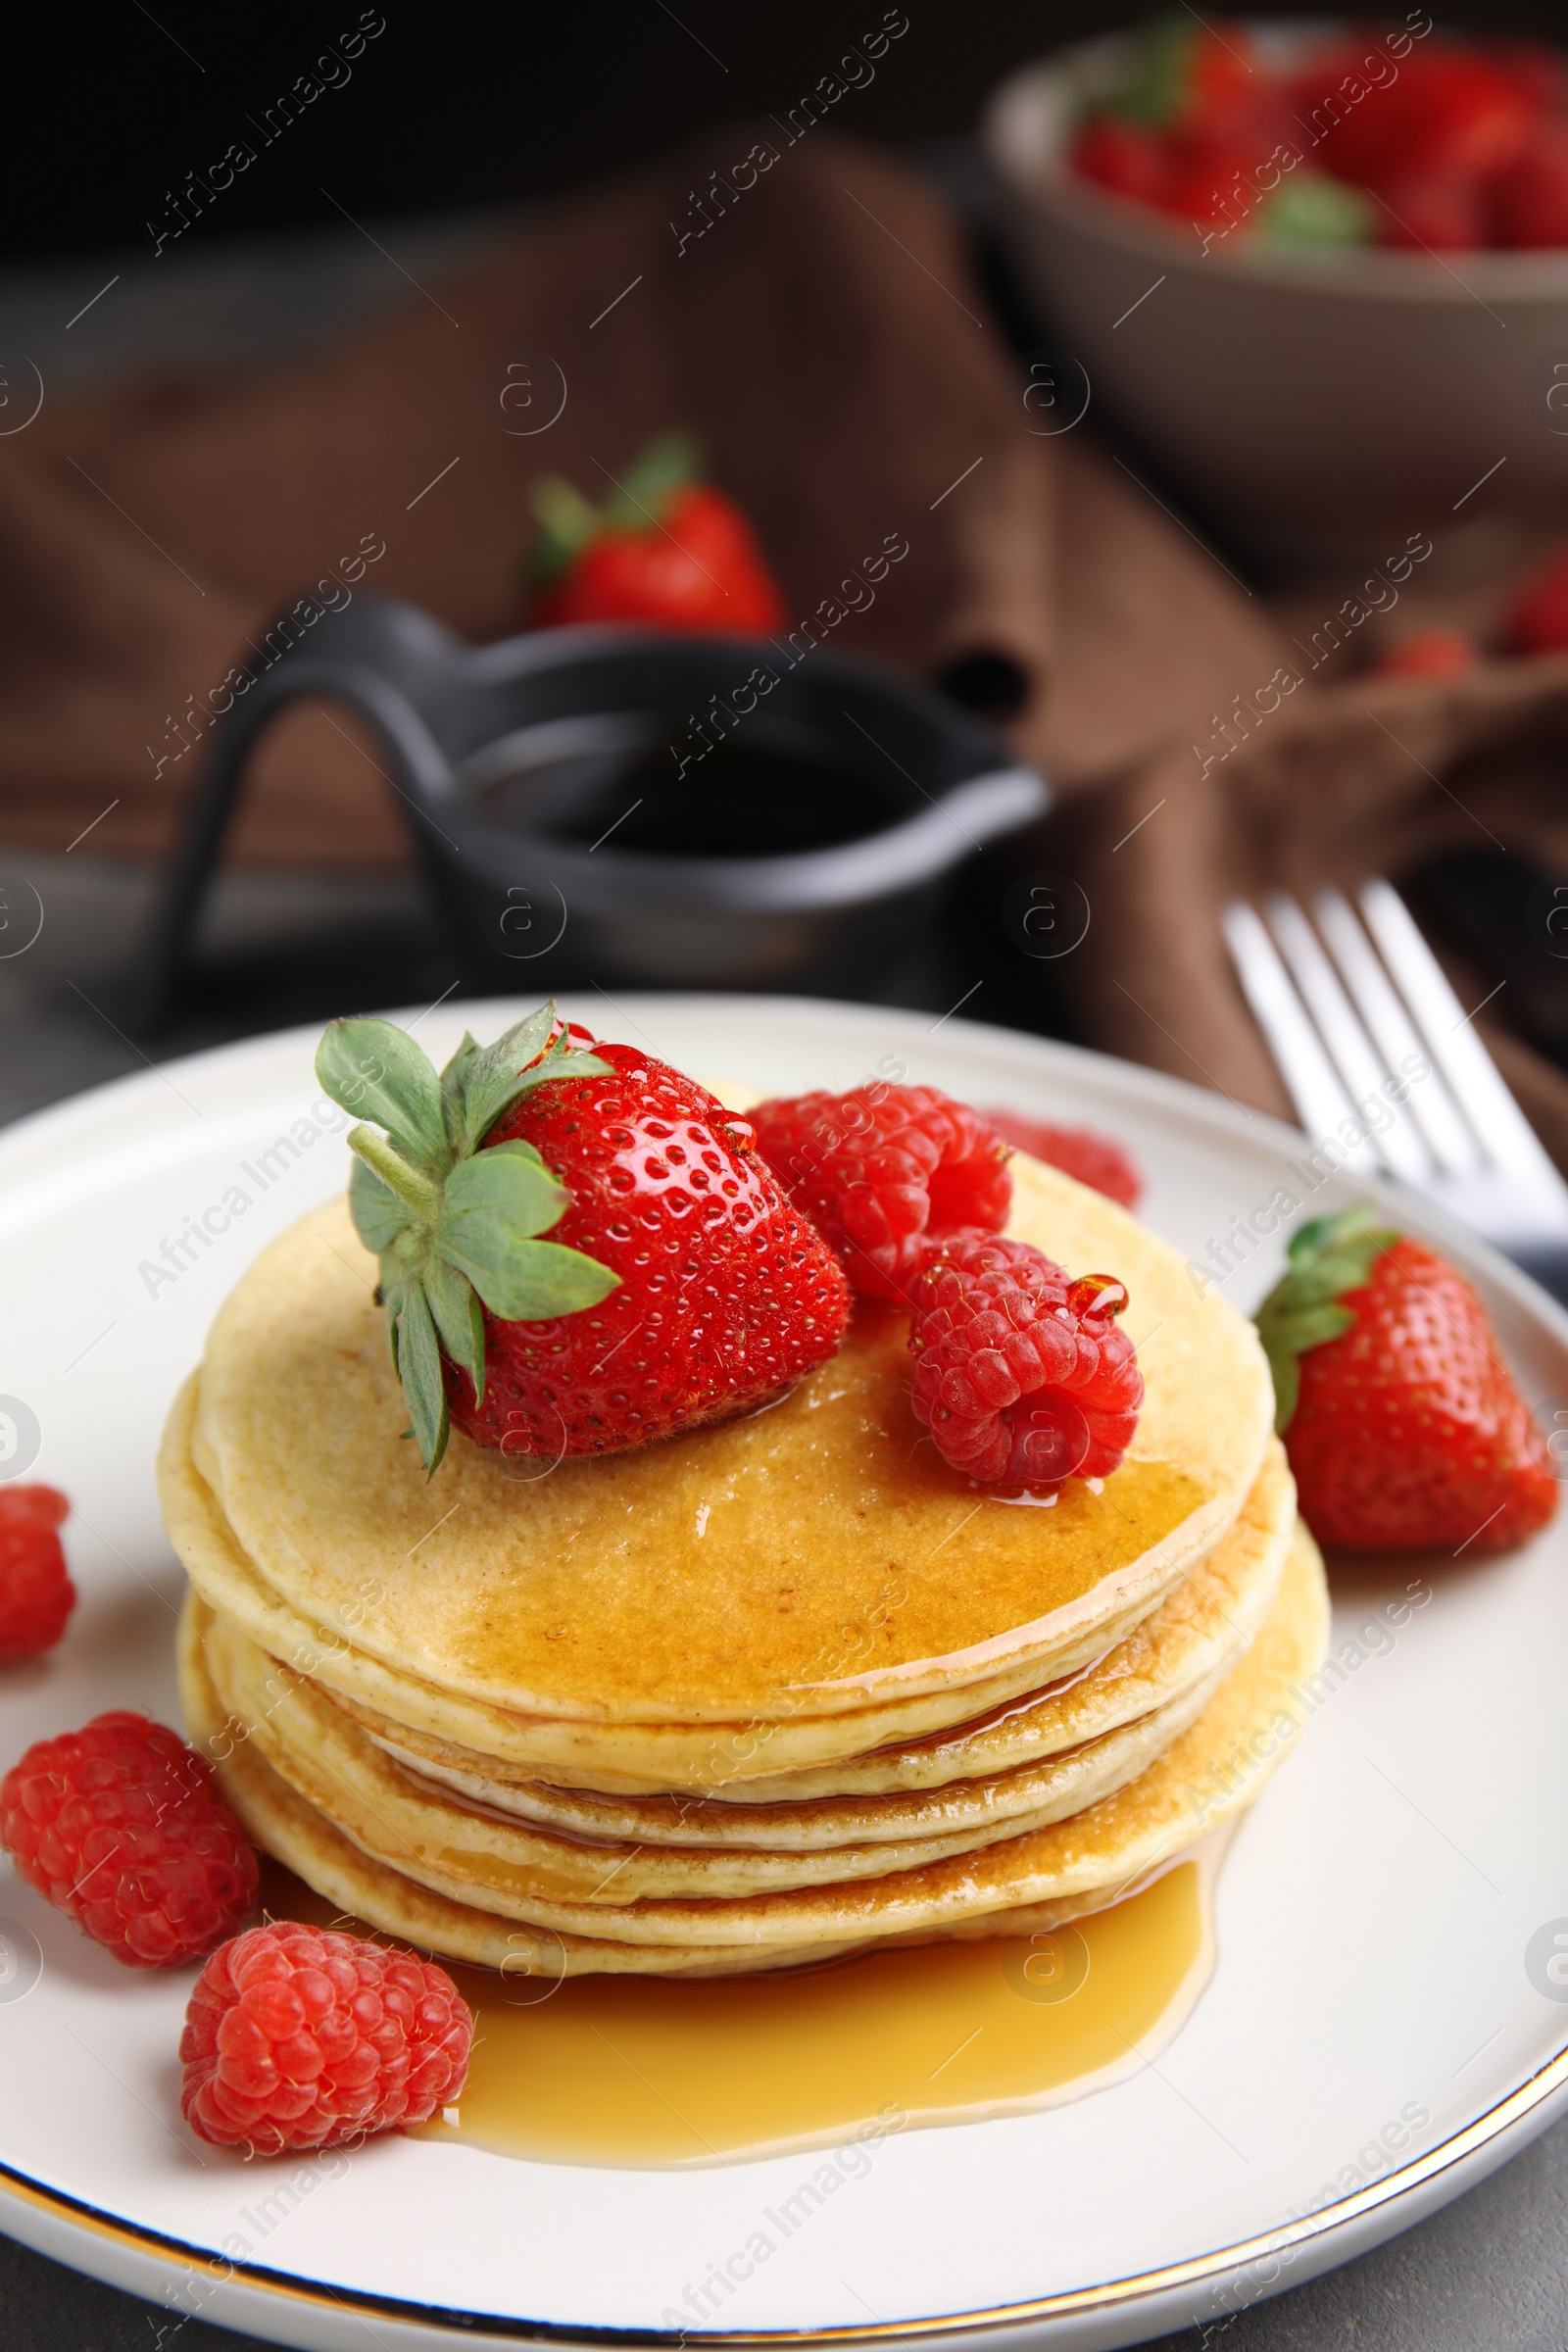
[568, 522]
[378, 1072]
[508, 1186]
[512, 1067]
[459, 1317]
[540, 1278]
[1328, 1257]
[380, 1216]
[495, 1075]
[454, 1083]
[419, 1365]
[648, 484]
[495, 1204]
[455, 1226]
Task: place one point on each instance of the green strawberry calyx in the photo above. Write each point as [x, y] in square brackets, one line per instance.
[568, 522]
[455, 1227]
[1328, 1257]
[1152, 82]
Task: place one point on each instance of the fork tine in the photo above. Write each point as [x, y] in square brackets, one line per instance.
[1400, 1144]
[1431, 1106]
[1320, 1099]
[1505, 1136]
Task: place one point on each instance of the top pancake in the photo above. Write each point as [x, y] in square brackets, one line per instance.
[814, 1559]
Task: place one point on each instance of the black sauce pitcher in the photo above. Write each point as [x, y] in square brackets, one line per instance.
[626, 804]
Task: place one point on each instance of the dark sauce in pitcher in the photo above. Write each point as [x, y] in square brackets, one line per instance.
[655, 789]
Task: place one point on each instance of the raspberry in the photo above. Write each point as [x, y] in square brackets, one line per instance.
[36, 1594]
[1021, 1373]
[299, 2037]
[120, 1826]
[1080, 1151]
[884, 1173]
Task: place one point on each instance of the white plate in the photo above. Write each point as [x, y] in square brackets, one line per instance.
[1383, 1917]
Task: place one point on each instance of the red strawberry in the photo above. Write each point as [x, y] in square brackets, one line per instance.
[1537, 617]
[1448, 114]
[1428, 653]
[885, 1172]
[1182, 73]
[1121, 156]
[1530, 199]
[1435, 212]
[679, 1286]
[665, 548]
[1080, 1151]
[1403, 1424]
[1533, 67]
[1020, 1373]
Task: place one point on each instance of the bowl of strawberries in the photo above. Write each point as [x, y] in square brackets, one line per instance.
[1319, 271]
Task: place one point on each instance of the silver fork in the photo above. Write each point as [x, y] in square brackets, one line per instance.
[1373, 1044]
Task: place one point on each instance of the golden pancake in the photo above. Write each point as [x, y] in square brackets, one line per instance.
[817, 1567]
[424, 1828]
[1195, 1632]
[642, 1757]
[1211, 1770]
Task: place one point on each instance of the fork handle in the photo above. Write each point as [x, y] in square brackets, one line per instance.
[1548, 1266]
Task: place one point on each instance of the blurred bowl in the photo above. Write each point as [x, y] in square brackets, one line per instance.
[1317, 405]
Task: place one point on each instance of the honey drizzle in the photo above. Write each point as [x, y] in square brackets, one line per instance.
[673, 2071]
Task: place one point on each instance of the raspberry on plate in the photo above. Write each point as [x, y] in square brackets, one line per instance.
[1093, 1158]
[36, 1593]
[1401, 1422]
[886, 1172]
[302, 2038]
[1021, 1374]
[120, 1825]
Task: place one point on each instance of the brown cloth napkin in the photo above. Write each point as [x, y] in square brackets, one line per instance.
[807, 308]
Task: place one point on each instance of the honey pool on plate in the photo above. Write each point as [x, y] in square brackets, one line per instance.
[658, 2071]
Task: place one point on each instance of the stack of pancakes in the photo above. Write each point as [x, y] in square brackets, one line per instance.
[761, 1694]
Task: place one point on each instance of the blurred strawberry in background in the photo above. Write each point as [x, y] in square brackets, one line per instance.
[1455, 145]
[665, 547]
[1537, 617]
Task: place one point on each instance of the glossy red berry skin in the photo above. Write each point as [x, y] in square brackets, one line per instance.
[727, 1294]
[886, 1173]
[1409, 1433]
[1530, 200]
[1437, 653]
[703, 569]
[36, 1593]
[1082, 1152]
[1122, 157]
[1538, 619]
[1021, 1374]
[300, 2038]
[120, 1826]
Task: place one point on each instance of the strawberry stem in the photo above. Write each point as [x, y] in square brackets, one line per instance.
[414, 1191]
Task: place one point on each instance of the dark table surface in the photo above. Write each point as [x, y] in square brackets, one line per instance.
[1489, 2274]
